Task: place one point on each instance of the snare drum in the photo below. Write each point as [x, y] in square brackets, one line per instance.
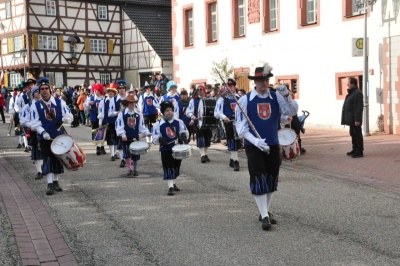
[206, 113]
[139, 147]
[289, 147]
[183, 151]
[68, 152]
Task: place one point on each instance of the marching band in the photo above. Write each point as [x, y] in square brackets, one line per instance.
[121, 119]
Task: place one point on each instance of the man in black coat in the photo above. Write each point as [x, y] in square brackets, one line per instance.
[352, 113]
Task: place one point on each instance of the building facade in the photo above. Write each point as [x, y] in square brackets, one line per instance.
[312, 45]
[76, 42]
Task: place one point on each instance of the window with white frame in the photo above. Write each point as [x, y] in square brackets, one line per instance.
[189, 28]
[273, 14]
[241, 17]
[311, 11]
[56, 78]
[15, 79]
[105, 78]
[8, 9]
[355, 9]
[98, 46]
[51, 8]
[17, 43]
[213, 9]
[47, 42]
[102, 12]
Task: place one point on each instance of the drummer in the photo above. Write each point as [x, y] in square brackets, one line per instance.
[128, 126]
[47, 116]
[25, 120]
[148, 105]
[203, 135]
[166, 133]
[115, 108]
[225, 111]
[109, 121]
[93, 104]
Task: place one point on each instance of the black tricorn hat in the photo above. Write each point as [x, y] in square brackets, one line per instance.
[263, 72]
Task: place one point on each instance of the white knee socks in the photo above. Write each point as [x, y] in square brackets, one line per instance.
[261, 201]
[38, 164]
[234, 155]
[170, 183]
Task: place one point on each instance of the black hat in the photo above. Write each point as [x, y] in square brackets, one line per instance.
[31, 80]
[121, 83]
[231, 82]
[263, 72]
[43, 81]
[166, 104]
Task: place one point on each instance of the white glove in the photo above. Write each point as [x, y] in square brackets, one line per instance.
[67, 120]
[283, 90]
[261, 144]
[46, 135]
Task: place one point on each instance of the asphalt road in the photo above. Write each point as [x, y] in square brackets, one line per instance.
[108, 219]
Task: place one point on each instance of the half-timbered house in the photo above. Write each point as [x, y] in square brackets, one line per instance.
[75, 42]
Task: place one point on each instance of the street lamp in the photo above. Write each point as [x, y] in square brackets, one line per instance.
[23, 55]
[364, 4]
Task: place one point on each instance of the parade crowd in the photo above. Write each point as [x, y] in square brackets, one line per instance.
[162, 115]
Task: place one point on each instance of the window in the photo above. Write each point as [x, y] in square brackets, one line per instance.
[239, 18]
[56, 78]
[212, 22]
[46, 42]
[15, 79]
[308, 13]
[17, 43]
[350, 9]
[270, 15]
[51, 8]
[354, 9]
[292, 81]
[102, 12]
[105, 78]
[8, 9]
[342, 80]
[98, 46]
[189, 27]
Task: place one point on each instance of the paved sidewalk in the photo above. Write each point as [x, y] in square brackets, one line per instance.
[38, 238]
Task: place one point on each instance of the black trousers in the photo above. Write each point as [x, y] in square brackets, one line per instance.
[357, 139]
[2, 114]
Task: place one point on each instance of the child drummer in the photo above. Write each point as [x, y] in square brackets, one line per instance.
[128, 126]
[166, 132]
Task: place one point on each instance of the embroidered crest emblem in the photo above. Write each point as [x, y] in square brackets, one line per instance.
[47, 114]
[264, 110]
[233, 106]
[131, 122]
[149, 101]
[171, 133]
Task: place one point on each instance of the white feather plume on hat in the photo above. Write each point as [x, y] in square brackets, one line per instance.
[267, 68]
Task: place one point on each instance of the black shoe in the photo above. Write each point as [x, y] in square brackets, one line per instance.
[26, 149]
[112, 158]
[207, 160]
[231, 163]
[216, 141]
[358, 155]
[19, 146]
[171, 191]
[135, 173]
[98, 151]
[176, 188]
[122, 164]
[266, 224]
[103, 151]
[351, 153]
[203, 159]
[130, 174]
[56, 186]
[271, 218]
[50, 189]
[302, 151]
[236, 166]
[116, 157]
[38, 176]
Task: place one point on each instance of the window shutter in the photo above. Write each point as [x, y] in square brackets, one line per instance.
[10, 45]
[87, 45]
[110, 47]
[60, 43]
[23, 41]
[35, 42]
[303, 12]
[6, 79]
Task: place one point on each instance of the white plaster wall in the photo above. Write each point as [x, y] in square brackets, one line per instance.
[313, 53]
